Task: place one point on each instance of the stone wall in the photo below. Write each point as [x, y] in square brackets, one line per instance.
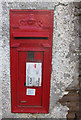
[65, 60]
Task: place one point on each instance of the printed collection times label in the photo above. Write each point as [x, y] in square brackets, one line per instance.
[33, 73]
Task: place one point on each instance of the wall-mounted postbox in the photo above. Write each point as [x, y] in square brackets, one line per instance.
[31, 33]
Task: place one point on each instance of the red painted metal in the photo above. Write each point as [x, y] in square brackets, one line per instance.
[30, 30]
[31, 34]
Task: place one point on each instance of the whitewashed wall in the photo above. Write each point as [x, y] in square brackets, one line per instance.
[64, 55]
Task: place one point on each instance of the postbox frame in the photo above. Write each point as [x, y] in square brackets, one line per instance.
[14, 49]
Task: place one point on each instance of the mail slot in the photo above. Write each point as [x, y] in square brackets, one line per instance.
[31, 33]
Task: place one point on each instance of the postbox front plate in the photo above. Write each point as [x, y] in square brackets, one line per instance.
[30, 60]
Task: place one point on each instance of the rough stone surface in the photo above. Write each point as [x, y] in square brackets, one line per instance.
[64, 56]
[0, 61]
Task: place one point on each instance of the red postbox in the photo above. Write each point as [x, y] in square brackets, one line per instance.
[31, 34]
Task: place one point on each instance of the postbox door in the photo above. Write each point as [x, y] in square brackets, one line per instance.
[30, 78]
